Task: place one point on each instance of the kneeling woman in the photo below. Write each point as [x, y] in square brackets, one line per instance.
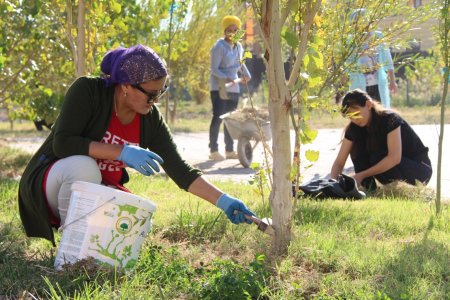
[381, 145]
[106, 125]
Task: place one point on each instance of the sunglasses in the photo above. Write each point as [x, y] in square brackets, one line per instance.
[151, 96]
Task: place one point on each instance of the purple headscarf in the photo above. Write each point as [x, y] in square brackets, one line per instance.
[132, 65]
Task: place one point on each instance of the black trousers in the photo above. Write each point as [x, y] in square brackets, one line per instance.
[373, 92]
[408, 170]
[220, 107]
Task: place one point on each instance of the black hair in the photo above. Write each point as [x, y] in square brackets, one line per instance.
[358, 97]
[355, 97]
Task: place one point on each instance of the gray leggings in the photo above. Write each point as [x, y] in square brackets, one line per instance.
[62, 174]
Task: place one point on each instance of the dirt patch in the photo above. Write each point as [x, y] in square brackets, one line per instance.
[250, 113]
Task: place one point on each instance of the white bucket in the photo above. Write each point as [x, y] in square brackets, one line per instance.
[104, 223]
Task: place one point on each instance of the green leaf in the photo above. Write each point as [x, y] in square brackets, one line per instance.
[119, 24]
[315, 81]
[308, 135]
[255, 165]
[290, 38]
[306, 60]
[116, 7]
[313, 61]
[318, 59]
[312, 155]
[238, 36]
[2, 59]
[48, 92]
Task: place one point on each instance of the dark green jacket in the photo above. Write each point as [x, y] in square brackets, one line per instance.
[85, 117]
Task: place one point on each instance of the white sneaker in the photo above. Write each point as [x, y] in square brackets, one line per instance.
[231, 155]
[216, 156]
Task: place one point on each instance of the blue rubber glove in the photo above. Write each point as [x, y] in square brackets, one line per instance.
[140, 159]
[234, 209]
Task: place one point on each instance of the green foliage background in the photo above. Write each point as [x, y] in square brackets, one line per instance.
[38, 45]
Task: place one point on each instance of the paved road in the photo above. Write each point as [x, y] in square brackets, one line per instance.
[194, 148]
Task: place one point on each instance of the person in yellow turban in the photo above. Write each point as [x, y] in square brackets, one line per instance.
[226, 73]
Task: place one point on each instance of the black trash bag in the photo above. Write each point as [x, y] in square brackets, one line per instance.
[344, 187]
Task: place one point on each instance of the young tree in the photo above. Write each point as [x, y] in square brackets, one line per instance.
[272, 17]
[444, 38]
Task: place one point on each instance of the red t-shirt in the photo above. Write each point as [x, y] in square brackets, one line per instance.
[111, 170]
[117, 133]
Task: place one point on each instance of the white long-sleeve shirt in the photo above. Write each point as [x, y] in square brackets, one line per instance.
[225, 63]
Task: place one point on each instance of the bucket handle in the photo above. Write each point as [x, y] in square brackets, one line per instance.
[61, 228]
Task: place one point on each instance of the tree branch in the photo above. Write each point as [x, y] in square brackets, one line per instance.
[262, 26]
[286, 11]
[309, 19]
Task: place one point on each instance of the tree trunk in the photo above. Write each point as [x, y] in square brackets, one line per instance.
[441, 142]
[279, 105]
[444, 28]
[173, 111]
[170, 115]
[81, 40]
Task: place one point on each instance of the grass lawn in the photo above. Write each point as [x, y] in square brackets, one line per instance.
[378, 248]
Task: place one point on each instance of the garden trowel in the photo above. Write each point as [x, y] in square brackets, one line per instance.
[264, 225]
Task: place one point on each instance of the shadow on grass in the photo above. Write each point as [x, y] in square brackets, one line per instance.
[420, 270]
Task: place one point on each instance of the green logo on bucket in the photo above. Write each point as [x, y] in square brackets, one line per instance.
[123, 225]
[124, 239]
